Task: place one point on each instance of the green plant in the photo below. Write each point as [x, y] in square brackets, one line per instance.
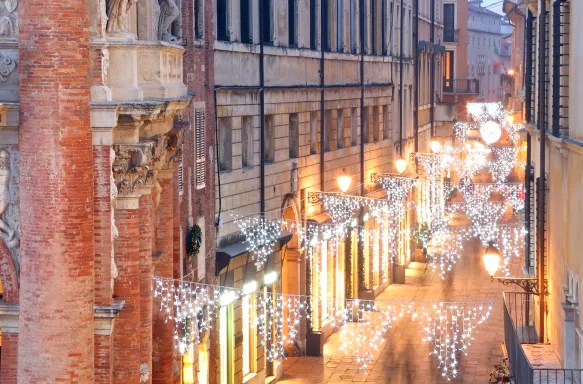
[193, 240]
[422, 235]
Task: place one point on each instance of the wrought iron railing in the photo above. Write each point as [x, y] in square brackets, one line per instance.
[450, 35]
[471, 86]
[519, 317]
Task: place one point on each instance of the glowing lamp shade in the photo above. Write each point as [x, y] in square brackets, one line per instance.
[435, 146]
[490, 132]
[510, 119]
[344, 181]
[401, 165]
[270, 278]
[491, 259]
[511, 72]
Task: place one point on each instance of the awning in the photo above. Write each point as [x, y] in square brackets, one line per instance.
[226, 254]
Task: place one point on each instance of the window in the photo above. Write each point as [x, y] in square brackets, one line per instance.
[448, 72]
[353, 35]
[449, 22]
[313, 133]
[374, 21]
[386, 124]
[326, 46]
[248, 334]
[291, 21]
[384, 26]
[226, 345]
[225, 144]
[294, 136]
[376, 131]
[354, 126]
[222, 20]
[329, 132]
[269, 139]
[340, 127]
[198, 12]
[367, 122]
[266, 10]
[339, 26]
[246, 26]
[181, 173]
[247, 141]
[199, 139]
[313, 24]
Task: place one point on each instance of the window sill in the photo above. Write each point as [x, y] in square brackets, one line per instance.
[270, 379]
[250, 378]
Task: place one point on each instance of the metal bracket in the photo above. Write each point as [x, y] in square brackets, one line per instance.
[529, 284]
[313, 197]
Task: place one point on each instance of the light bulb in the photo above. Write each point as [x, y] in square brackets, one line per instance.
[401, 165]
[490, 132]
[435, 146]
[344, 181]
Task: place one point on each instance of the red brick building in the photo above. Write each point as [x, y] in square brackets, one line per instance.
[106, 142]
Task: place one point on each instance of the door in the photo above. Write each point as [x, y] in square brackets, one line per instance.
[448, 72]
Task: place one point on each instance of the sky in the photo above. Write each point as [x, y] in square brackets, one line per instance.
[496, 8]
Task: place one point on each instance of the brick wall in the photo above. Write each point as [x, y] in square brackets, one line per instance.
[57, 274]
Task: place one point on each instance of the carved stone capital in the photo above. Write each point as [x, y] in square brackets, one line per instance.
[167, 148]
[132, 167]
[9, 317]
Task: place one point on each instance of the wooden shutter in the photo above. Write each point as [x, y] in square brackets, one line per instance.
[200, 142]
[180, 175]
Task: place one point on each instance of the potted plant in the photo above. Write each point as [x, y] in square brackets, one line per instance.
[500, 374]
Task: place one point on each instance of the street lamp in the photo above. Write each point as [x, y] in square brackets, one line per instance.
[435, 146]
[510, 72]
[344, 181]
[401, 165]
[490, 132]
[491, 259]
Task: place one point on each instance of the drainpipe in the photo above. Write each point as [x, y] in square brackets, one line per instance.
[323, 25]
[432, 74]
[416, 76]
[540, 217]
[401, 80]
[360, 249]
[261, 113]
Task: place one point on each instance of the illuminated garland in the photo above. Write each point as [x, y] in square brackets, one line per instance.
[194, 307]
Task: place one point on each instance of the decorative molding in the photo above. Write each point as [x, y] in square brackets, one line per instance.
[104, 316]
[7, 65]
[9, 204]
[131, 167]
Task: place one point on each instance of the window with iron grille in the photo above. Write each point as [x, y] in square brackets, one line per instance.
[200, 143]
[560, 63]
[198, 12]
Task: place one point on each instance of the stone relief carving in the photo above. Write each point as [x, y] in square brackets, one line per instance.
[168, 13]
[9, 204]
[114, 231]
[8, 20]
[104, 65]
[117, 11]
[131, 167]
[144, 373]
[7, 65]
[166, 149]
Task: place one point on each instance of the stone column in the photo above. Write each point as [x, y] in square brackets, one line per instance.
[57, 274]
[163, 331]
[146, 284]
[126, 335]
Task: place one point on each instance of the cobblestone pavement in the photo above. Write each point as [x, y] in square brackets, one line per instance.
[404, 357]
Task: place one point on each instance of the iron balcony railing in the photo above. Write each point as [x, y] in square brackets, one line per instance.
[471, 86]
[450, 35]
[519, 329]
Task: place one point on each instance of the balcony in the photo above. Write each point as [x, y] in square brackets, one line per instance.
[451, 35]
[461, 86]
[531, 362]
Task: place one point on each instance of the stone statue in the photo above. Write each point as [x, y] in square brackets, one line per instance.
[117, 16]
[104, 65]
[144, 373]
[168, 13]
[5, 192]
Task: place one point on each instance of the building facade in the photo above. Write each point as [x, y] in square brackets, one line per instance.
[484, 46]
[102, 184]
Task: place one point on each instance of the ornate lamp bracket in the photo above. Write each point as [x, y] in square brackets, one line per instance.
[529, 284]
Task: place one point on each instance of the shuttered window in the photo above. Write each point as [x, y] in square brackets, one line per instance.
[199, 139]
[181, 173]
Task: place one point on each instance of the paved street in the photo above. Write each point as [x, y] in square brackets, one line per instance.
[404, 357]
